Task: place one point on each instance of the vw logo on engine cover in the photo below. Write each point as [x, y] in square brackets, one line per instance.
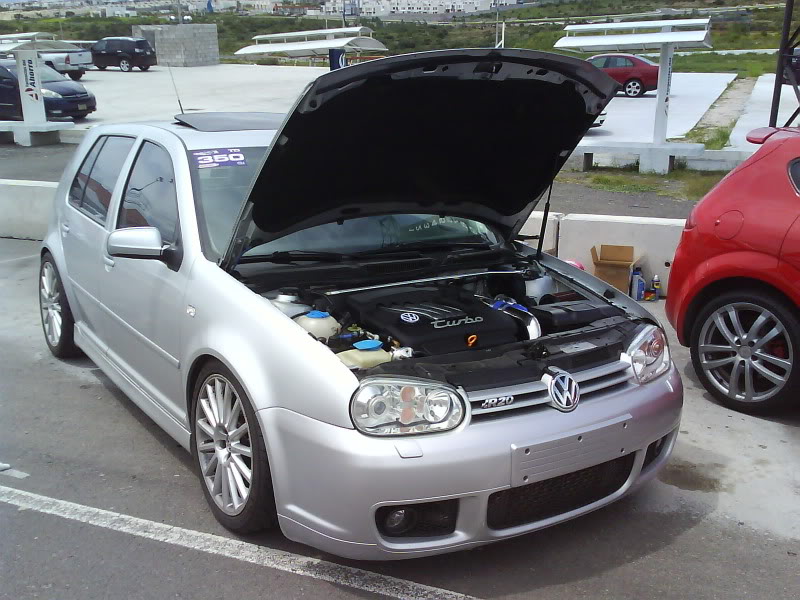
[564, 391]
[409, 317]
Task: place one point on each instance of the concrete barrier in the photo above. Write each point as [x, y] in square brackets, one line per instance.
[25, 208]
[654, 239]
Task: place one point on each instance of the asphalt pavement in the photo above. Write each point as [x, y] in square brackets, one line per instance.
[100, 503]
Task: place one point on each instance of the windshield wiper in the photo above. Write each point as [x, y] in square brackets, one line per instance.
[290, 256]
[421, 246]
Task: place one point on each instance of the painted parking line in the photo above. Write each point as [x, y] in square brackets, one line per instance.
[8, 260]
[221, 546]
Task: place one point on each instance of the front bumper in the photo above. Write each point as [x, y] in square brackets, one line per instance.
[330, 481]
[69, 106]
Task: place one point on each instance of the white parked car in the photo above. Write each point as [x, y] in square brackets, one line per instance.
[332, 313]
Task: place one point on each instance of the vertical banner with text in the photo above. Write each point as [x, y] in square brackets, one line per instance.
[30, 86]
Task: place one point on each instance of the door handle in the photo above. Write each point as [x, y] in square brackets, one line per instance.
[108, 261]
[65, 228]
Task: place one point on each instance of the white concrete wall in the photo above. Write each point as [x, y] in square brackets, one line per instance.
[534, 226]
[25, 208]
[653, 239]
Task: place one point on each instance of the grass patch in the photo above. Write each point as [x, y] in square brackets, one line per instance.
[621, 183]
[744, 65]
[683, 184]
[714, 138]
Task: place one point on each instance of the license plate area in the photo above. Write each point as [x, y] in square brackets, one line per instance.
[81, 107]
[573, 451]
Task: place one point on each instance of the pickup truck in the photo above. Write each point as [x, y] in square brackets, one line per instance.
[65, 57]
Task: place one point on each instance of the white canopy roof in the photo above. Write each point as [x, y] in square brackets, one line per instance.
[11, 45]
[636, 41]
[316, 33]
[314, 47]
[669, 32]
[671, 23]
[31, 35]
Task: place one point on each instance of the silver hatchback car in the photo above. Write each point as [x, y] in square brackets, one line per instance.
[333, 310]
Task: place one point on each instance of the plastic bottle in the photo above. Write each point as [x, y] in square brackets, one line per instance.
[319, 324]
[657, 285]
[637, 284]
[366, 354]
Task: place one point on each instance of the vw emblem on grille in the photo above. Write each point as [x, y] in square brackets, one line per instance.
[409, 317]
[564, 391]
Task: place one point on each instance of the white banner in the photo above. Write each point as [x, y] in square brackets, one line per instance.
[30, 86]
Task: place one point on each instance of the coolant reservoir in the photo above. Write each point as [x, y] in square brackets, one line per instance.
[536, 288]
[366, 354]
[289, 304]
[319, 324]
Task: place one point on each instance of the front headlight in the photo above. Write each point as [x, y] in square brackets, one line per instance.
[387, 406]
[50, 94]
[649, 354]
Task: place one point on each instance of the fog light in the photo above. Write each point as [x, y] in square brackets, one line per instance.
[399, 521]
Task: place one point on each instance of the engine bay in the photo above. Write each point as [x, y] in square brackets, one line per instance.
[460, 328]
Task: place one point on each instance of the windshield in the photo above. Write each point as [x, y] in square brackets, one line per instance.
[45, 73]
[222, 179]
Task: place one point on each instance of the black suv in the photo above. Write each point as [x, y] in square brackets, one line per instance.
[123, 52]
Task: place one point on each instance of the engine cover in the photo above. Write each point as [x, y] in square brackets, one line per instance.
[433, 320]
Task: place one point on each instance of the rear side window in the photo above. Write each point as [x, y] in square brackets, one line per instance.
[143, 44]
[94, 184]
[150, 198]
[617, 62]
[794, 173]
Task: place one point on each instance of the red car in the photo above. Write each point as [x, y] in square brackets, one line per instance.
[636, 74]
[734, 287]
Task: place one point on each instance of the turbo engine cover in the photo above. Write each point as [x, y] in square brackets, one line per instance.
[433, 320]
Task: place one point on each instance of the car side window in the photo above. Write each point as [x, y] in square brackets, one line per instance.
[94, 183]
[100, 46]
[599, 62]
[626, 62]
[794, 173]
[150, 198]
[112, 45]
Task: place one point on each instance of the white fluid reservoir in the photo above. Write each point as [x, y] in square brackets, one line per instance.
[319, 324]
[289, 304]
[366, 354]
[536, 288]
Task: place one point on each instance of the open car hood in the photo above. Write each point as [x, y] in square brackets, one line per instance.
[477, 133]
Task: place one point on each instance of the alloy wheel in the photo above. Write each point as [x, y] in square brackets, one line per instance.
[745, 352]
[223, 444]
[124, 65]
[50, 304]
[633, 88]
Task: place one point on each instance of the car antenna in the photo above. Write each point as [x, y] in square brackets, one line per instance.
[175, 87]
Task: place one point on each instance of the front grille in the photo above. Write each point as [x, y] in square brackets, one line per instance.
[593, 382]
[559, 495]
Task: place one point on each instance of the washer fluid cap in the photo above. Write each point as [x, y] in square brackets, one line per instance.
[317, 314]
[368, 345]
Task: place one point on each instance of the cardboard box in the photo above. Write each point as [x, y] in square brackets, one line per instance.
[614, 265]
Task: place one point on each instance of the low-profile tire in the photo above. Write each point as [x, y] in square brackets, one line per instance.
[633, 88]
[743, 345]
[125, 65]
[75, 75]
[57, 322]
[102, 68]
[144, 67]
[220, 448]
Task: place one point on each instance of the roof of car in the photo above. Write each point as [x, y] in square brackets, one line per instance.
[123, 37]
[613, 54]
[230, 121]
